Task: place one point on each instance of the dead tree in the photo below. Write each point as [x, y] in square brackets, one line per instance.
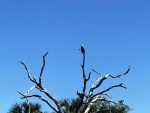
[87, 98]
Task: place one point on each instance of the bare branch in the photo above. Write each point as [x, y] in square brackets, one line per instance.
[106, 90]
[38, 96]
[103, 99]
[54, 100]
[28, 72]
[100, 80]
[118, 76]
[40, 87]
[30, 89]
[26, 97]
[88, 76]
[43, 66]
[96, 84]
[34, 78]
[107, 95]
[96, 72]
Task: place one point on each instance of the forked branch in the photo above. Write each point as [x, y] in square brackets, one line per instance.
[101, 79]
[90, 97]
[38, 85]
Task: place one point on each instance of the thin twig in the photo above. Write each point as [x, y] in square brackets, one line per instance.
[43, 66]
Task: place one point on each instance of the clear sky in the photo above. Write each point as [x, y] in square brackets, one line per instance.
[115, 34]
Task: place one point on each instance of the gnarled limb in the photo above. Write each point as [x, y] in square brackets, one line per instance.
[38, 85]
[100, 80]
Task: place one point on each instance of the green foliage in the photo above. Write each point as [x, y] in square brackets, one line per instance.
[106, 107]
[24, 108]
[69, 106]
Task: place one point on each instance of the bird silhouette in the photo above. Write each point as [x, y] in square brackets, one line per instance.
[82, 49]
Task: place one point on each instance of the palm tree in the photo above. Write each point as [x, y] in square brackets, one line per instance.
[24, 108]
[69, 106]
[107, 107]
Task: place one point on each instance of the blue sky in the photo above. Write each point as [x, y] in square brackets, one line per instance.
[115, 34]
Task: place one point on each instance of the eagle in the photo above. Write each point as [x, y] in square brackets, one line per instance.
[82, 49]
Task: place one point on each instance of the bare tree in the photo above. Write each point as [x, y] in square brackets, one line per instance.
[86, 98]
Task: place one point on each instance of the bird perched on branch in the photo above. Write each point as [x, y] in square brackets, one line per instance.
[82, 49]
